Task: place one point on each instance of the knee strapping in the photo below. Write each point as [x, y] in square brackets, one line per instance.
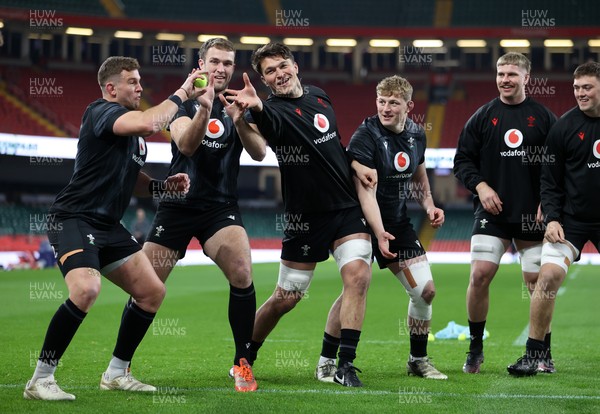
[414, 278]
[486, 248]
[531, 258]
[294, 280]
[355, 249]
[560, 254]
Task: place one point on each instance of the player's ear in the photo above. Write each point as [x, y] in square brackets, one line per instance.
[201, 64]
[110, 88]
[262, 78]
[410, 106]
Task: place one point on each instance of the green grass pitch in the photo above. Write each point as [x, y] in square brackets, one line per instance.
[188, 351]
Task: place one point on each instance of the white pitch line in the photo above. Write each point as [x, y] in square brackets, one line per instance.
[362, 341]
[574, 273]
[522, 338]
[325, 391]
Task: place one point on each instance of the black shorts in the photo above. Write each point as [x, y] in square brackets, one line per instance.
[101, 247]
[406, 244]
[309, 237]
[174, 227]
[528, 231]
[578, 233]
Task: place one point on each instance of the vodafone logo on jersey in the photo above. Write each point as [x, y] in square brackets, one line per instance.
[596, 151]
[142, 145]
[596, 148]
[215, 128]
[139, 159]
[513, 138]
[401, 161]
[321, 123]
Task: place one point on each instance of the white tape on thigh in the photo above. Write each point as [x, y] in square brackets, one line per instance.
[294, 280]
[414, 278]
[560, 254]
[114, 265]
[355, 249]
[531, 258]
[486, 248]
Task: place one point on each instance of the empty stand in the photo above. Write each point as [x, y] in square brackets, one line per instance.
[16, 121]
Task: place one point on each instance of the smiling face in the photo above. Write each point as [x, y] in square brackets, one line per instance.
[221, 63]
[392, 111]
[125, 89]
[281, 76]
[587, 93]
[511, 81]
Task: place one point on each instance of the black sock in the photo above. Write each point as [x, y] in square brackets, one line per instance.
[476, 330]
[535, 349]
[129, 302]
[242, 309]
[61, 330]
[547, 340]
[330, 346]
[418, 345]
[348, 343]
[253, 351]
[134, 325]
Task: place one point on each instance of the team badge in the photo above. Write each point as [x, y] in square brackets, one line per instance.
[305, 250]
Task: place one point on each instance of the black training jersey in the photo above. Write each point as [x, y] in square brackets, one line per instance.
[571, 182]
[503, 145]
[106, 168]
[303, 133]
[213, 169]
[395, 157]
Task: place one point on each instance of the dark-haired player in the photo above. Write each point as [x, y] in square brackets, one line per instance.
[320, 200]
[570, 192]
[498, 160]
[90, 241]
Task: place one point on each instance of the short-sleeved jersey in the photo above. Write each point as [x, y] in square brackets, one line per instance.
[395, 157]
[303, 133]
[213, 169]
[571, 181]
[106, 168]
[503, 145]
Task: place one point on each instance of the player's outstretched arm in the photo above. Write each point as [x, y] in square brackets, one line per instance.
[247, 98]
[251, 138]
[368, 202]
[155, 119]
